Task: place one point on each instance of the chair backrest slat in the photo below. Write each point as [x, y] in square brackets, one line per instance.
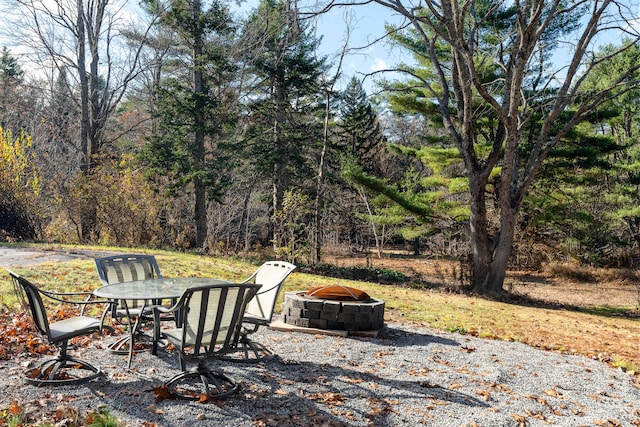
[36, 305]
[212, 317]
[270, 276]
[127, 268]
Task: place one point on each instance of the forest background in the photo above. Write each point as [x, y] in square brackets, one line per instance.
[186, 126]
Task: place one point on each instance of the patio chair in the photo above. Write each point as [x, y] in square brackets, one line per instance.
[211, 322]
[270, 276]
[64, 369]
[128, 268]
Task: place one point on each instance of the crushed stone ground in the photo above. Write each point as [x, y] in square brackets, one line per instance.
[406, 376]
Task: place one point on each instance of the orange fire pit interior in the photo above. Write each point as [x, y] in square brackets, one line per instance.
[338, 293]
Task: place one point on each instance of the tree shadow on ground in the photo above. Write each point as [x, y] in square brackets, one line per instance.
[326, 394]
[282, 391]
[513, 298]
[402, 338]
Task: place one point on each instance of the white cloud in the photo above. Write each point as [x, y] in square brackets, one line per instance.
[379, 64]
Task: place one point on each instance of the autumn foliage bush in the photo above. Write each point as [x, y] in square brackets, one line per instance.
[125, 207]
[19, 185]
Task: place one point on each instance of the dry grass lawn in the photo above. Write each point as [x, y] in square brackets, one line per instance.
[563, 308]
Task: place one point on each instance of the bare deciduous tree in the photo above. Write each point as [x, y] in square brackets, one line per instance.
[78, 44]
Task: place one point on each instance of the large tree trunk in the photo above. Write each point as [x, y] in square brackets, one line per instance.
[88, 209]
[316, 252]
[84, 88]
[492, 245]
[280, 178]
[490, 256]
[479, 238]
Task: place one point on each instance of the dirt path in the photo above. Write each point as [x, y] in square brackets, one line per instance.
[20, 257]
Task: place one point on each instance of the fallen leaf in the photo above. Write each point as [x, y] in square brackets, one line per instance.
[552, 392]
[15, 408]
[161, 392]
[419, 372]
[329, 398]
[485, 394]
[154, 409]
[521, 420]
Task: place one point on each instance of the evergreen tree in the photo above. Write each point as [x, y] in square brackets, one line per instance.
[588, 194]
[10, 70]
[284, 127]
[11, 76]
[358, 129]
[568, 210]
[196, 113]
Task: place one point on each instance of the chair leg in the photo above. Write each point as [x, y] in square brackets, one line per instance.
[121, 345]
[248, 351]
[64, 370]
[212, 383]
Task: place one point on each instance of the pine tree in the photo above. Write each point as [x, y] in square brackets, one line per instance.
[11, 76]
[587, 196]
[486, 71]
[197, 112]
[358, 130]
[284, 107]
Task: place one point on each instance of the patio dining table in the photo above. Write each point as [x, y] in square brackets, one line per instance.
[148, 291]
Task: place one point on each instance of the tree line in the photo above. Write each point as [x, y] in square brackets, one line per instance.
[194, 128]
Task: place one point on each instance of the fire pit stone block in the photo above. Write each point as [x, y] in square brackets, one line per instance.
[313, 305]
[331, 307]
[318, 323]
[351, 308]
[329, 314]
[311, 314]
[301, 322]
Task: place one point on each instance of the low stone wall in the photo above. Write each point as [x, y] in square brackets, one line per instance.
[301, 311]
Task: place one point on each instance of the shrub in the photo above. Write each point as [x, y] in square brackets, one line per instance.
[364, 274]
[19, 186]
[15, 219]
[572, 272]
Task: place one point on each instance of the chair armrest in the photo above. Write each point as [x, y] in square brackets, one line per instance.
[160, 309]
[263, 291]
[66, 297]
[164, 310]
[90, 299]
[250, 278]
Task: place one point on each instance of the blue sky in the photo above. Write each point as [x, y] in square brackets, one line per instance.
[367, 54]
[367, 25]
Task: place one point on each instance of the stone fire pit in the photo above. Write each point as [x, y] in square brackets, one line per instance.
[333, 307]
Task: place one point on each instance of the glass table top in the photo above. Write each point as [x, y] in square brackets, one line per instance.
[164, 288]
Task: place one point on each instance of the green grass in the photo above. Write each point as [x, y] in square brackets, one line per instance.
[597, 332]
